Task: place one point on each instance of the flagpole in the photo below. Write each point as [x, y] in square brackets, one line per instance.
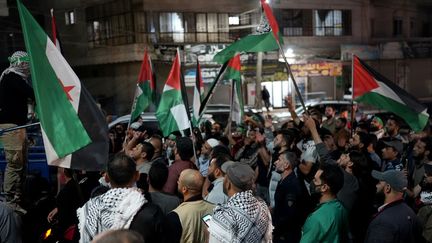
[2, 131]
[186, 104]
[210, 94]
[288, 66]
[352, 93]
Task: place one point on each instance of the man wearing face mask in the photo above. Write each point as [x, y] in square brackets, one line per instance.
[329, 222]
[15, 93]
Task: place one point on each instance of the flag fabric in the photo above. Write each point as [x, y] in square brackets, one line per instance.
[271, 19]
[70, 120]
[266, 38]
[55, 38]
[372, 88]
[198, 95]
[171, 112]
[212, 88]
[233, 74]
[144, 92]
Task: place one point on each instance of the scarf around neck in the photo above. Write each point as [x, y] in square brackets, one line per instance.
[113, 210]
[243, 218]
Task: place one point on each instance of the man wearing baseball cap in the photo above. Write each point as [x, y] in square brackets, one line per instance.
[395, 221]
[244, 218]
[391, 155]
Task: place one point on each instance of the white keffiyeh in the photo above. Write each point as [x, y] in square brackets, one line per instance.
[113, 210]
[18, 64]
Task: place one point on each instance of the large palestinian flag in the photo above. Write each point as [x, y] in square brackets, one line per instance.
[74, 130]
[372, 88]
[171, 112]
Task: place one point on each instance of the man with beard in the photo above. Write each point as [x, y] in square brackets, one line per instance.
[395, 221]
[244, 218]
[416, 170]
[330, 122]
[342, 134]
[329, 222]
[391, 155]
[392, 128]
[184, 223]
[288, 213]
[377, 127]
[281, 144]
[216, 177]
[204, 159]
[142, 153]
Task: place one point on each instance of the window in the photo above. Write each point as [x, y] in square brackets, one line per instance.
[111, 24]
[234, 20]
[413, 31]
[171, 27]
[332, 22]
[291, 21]
[70, 17]
[397, 26]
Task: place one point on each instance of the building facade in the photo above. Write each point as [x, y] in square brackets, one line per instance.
[104, 41]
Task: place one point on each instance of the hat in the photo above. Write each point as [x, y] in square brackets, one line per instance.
[396, 144]
[135, 125]
[212, 142]
[226, 165]
[379, 120]
[396, 179]
[240, 175]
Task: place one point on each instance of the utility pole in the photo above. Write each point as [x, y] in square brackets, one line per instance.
[258, 98]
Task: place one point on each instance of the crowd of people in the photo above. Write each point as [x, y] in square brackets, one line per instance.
[315, 178]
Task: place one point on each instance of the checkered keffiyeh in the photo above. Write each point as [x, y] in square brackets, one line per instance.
[113, 210]
[243, 218]
[19, 64]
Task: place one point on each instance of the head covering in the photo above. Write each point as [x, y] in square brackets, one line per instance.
[240, 175]
[212, 142]
[396, 144]
[135, 125]
[226, 165]
[376, 118]
[18, 64]
[396, 179]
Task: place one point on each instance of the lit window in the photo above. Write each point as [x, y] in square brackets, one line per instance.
[234, 20]
[70, 17]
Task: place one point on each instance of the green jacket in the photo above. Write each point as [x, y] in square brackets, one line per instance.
[328, 223]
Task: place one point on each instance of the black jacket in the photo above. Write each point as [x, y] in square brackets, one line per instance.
[14, 93]
[395, 223]
[148, 222]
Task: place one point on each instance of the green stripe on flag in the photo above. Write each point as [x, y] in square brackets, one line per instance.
[58, 118]
[417, 121]
[250, 43]
[142, 101]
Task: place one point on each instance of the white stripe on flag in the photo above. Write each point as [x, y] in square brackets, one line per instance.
[64, 72]
[52, 157]
[180, 116]
[386, 91]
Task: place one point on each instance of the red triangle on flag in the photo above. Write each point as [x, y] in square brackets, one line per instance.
[363, 81]
[174, 75]
[235, 63]
[146, 72]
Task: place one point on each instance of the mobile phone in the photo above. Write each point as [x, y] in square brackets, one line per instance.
[206, 219]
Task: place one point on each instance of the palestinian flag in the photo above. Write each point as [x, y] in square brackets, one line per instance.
[372, 88]
[73, 128]
[198, 95]
[266, 38]
[233, 73]
[171, 112]
[144, 92]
